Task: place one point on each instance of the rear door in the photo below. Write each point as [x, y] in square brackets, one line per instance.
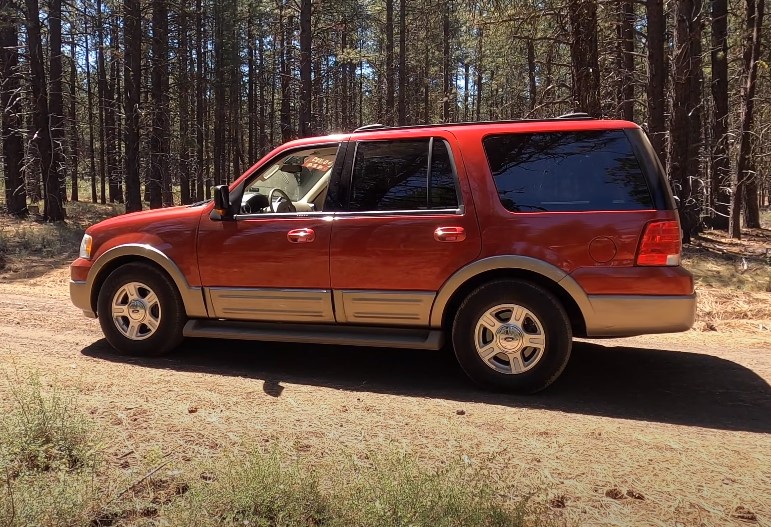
[407, 225]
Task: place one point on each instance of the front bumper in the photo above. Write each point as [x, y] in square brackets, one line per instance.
[629, 315]
[80, 294]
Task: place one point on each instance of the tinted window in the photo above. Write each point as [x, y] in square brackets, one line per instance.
[567, 171]
[442, 190]
[394, 175]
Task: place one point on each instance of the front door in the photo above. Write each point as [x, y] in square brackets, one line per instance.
[409, 225]
[271, 263]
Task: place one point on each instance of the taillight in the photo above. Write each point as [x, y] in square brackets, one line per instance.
[660, 244]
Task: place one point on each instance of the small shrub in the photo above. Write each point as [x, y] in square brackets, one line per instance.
[256, 490]
[44, 432]
[394, 490]
[48, 460]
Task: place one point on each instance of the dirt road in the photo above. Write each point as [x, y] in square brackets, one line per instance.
[683, 421]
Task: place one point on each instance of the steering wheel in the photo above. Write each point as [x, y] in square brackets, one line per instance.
[282, 195]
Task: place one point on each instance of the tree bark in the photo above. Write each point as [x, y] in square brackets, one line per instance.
[685, 127]
[657, 77]
[132, 72]
[90, 101]
[754, 10]
[10, 102]
[720, 184]
[583, 56]
[402, 104]
[305, 125]
[74, 140]
[160, 184]
[389, 64]
[184, 110]
[199, 102]
[56, 72]
[52, 209]
[626, 96]
[448, 91]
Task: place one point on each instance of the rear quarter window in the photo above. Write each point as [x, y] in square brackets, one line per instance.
[567, 171]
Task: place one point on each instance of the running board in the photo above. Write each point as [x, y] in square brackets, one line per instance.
[316, 334]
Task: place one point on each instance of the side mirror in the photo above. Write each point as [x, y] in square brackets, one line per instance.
[222, 201]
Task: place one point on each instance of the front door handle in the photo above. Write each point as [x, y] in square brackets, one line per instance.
[450, 234]
[301, 235]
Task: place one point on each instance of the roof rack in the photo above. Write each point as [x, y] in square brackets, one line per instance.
[573, 116]
[368, 127]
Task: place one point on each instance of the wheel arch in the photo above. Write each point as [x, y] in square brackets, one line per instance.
[192, 297]
[563, 287]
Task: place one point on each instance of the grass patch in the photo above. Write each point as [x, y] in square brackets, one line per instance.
[392, 489]
[54, 472]
[49, 459]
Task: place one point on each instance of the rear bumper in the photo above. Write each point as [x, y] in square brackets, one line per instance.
[80, 294]
[629, 315]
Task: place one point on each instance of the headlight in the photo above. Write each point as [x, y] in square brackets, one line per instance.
[85, 247]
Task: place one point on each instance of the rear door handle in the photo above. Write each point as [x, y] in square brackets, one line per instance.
[301, 235]
[450, 234]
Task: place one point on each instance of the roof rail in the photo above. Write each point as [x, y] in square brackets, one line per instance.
[575, 115]
[367, 127]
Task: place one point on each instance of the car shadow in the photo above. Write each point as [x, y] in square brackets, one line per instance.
[652, 385]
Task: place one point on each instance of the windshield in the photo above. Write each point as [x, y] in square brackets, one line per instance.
[296, 174]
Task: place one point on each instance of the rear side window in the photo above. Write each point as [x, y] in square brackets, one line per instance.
[415, 174]
[567, 171]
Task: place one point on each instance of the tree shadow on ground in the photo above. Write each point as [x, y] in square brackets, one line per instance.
[641, 384]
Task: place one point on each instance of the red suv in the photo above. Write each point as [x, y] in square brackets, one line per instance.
[506, 239]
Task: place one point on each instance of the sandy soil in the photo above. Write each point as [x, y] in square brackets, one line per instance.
[681, 421]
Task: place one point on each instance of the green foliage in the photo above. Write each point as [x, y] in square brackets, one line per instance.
[48, 459]
[273, 489]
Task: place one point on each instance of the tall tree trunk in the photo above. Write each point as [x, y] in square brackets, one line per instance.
[132, 72]
[583, 56]
[52, 210]
[389, 63]
[685, 128]
[657, 76]
[56, 71]
[305, 125]
[262, 102]
[160, 184]
[90, 101]
[101, 74]
[531, 73]
[286, 72]
[626, 59]
[345, 118]
[251, 81]
[402, 110]
[184, 110]
[199, 102]
[754, 11]
[10, 102]
[110, 115]
[448, 92]
[479, 70]
[721, 170]
[74, 147]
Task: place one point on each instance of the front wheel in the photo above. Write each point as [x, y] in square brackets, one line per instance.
[140, 311]
[512, 335]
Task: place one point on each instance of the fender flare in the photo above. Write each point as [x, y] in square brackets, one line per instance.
[192, 297]
[512, 262]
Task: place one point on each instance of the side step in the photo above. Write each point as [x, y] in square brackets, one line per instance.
[317, 334]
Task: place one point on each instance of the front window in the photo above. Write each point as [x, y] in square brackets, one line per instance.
[297, 181]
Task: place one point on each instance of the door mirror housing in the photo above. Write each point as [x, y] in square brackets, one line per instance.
[222, 208]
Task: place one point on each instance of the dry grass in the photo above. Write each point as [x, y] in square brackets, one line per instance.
[30, 247]
[733, 279]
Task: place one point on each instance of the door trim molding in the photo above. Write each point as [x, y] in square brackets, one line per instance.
[270, 305]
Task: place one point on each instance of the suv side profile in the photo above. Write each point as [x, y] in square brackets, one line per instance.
[504, 239]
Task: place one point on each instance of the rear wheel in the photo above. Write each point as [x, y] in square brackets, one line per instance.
[140, 311]
[512, 335]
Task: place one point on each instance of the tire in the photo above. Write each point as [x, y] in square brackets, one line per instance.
[512, 335]
[154, 313]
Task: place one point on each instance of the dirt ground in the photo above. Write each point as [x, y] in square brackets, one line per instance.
[666, 430]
